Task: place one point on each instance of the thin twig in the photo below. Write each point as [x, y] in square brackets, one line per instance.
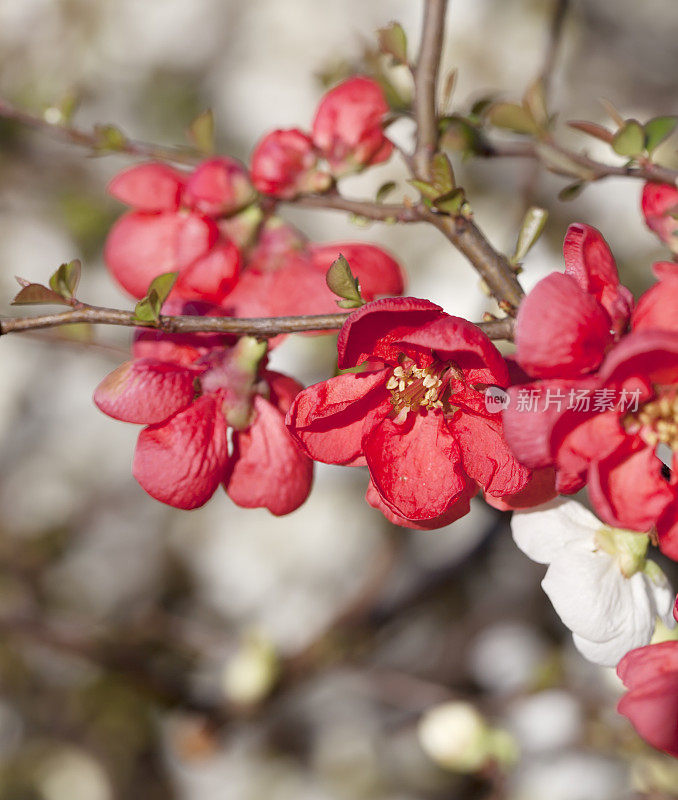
[93, 141]
[260, 326]
[425, 84]
[379, 212]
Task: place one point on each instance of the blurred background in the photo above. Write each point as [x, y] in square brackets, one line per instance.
[225, 654]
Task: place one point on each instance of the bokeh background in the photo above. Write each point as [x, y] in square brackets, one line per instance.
[225, 654]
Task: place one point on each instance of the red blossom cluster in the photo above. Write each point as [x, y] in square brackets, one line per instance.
[412, 400]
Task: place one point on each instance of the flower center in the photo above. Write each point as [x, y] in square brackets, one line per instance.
[428, 388]
[656, 421]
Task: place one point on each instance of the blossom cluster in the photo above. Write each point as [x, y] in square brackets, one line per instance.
[417, 394]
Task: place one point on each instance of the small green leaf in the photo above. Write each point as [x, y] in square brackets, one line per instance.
[37, 294]
[534, 102]
[201, 132]
[460, 135]
[658, 129]
[109, 137]
[451, 202]
[593, 129]
[481, 105]
[530, 230]
[350, 303]
[512, 117]
[342, 282]
[66, 278]
[393, 41]
[442, 175]
[571, 191]
[385, 190]
[149, 307]
[427, 190]
[629, 140]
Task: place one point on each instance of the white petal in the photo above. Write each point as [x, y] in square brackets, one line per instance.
[662, 595]
[607, 654]
[543, 532]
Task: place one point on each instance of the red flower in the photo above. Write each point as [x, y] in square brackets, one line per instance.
[285, 164]
[347, 128]
[173, 227]
[660, 204]
[285, 275]
[567, 322]
[416, 416]
[651, 676]
[214, 416]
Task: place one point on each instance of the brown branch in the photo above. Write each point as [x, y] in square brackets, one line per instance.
[261, 327]
[379, 212]
[654, 173]
[93, 141]
[425, 84]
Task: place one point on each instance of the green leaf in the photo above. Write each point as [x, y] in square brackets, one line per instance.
[592, 129]
[201, 132]
[530, 230]
[66, 278]
[427, 190]
[37, 294]
[149, 307]
[385, 190]
[442, 175]
[481, 105]
[460, 135]
[534, 101]
[512, 117]
[571, 191]
[109, 137]
[393, 41]
[350, 303]
[451, 202]
[342, 282]
[629, 140]
[658, 129]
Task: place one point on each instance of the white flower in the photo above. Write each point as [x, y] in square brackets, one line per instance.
[600, 584]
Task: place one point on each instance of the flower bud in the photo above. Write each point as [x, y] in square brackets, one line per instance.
[285, 164]
[347, 128]
[219, 187]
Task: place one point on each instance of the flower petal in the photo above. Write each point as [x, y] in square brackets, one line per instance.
[659, 202]
[416, 467]
[141, 246]
[457, 510]
[371, 331]
[561, 330]
[486, 455]
[182, 461]
[656, 309]
[219, 186]
[212, 276]
[271, 471]
[145, 391]
[149, 187]
[589, 261]
[330, 418]
[540, 488]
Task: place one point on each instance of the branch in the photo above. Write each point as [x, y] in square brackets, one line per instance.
[379, 212]
[425, 83]
[261, 327]
[560, 9]
[93, 140]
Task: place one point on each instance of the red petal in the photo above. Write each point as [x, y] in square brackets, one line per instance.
[377, 329]
[378, 272]
[645, 663]
[659, 202]
[596, 437]
[561, 331]
[540, 488]
[453, 513]
[145, 391]
[589, 261]
[329, 419]
[213, 276]
[667, 534]
[656, 309]
[142, 246]
[149, 187]
[653, 709]
[182, 461]
[283, 389]
[665, 269]
[486, 455]
[416, 467]
[648, 354]
[219, 186]
[285, 164]
[271, 471]
[627, 488]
